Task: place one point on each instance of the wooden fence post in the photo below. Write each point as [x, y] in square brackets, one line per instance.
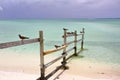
[42, 67]
[75, 43]
[82, 42]
[64, 51]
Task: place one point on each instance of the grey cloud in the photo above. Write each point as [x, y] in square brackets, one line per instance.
[59, 8]
[1, 8]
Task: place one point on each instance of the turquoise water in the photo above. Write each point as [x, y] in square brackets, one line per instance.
[102, 36]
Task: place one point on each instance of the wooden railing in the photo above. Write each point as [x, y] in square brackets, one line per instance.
[18, 43]
[63, 55]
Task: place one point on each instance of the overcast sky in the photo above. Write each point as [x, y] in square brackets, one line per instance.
[12, 9]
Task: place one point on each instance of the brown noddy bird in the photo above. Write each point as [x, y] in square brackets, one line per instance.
[65, 29]
[56, 46]
[81, 32]
[23, 37]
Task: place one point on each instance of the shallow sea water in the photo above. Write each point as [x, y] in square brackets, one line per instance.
[102, 36]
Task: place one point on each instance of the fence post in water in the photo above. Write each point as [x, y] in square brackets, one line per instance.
[42, 68]
[82, 42]
[75, 43]
[64, 51]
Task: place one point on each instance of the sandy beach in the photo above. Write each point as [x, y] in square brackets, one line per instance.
[27, 68]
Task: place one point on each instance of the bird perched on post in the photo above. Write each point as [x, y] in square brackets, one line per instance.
[68, 32]
[81, 32]
[56, 46]
[65, 29]
[72, 32]
[23, 37]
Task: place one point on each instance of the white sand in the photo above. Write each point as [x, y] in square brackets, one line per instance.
[64, 76]
[26, 67]
[16, 76]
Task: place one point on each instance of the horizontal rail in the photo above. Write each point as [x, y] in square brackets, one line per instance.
[17, 43]
[79, 51]
[50, 63]
[79, 40]
[69, 50]
[80, 34]
[69, 35]
[53, 72]
[73, 42]
[73, 55]
[55, 50]
[70, 57]
[70, 42]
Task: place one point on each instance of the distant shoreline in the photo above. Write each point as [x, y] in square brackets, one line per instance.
[59, 18]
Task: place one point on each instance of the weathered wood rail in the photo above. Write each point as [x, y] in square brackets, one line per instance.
[63, 55]
[18, 43]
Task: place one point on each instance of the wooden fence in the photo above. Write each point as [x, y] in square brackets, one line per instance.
[63, 56]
